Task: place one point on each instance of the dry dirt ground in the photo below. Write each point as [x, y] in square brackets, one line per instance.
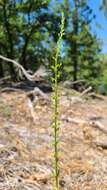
[26, 150]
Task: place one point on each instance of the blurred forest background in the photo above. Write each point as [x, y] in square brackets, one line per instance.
[29, 32]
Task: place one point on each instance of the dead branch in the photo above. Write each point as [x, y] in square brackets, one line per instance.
[78, 81]
[36, 92]
[9, 89]
[69, 83]
[31, 96]
[99, 126]
[86, 91]
[74, 120]
[95, 124]
[97, 96]
[101, 144]
[21, 68]
[31, 109]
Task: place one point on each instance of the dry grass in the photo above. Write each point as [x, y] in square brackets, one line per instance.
[25, 150]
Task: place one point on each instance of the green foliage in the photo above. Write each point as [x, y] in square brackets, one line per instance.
[29, 32]
[56, 71]
[104, 7]
[26, 29]
[101, 82]
[81, 59]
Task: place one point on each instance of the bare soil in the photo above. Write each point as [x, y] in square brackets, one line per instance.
[26, 150]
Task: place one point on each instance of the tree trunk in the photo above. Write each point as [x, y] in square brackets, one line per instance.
[1, 71]
[23, 61]
[75, 43]
[10, 42]
[23, 55]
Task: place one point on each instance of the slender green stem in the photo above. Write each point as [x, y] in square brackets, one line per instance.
[56, 72]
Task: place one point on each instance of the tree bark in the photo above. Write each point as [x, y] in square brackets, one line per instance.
[10, 42]
[1, 70]
[75, 45]
[25, 46]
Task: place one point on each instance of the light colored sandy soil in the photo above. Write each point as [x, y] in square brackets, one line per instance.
[26, 151]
